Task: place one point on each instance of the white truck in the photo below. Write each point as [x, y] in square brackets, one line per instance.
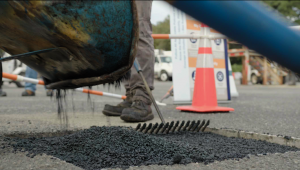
[163, 67]
[255, 77]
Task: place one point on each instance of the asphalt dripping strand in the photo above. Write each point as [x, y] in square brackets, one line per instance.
[111, 147]
[90, 102]
[61, 110]
[62, 106]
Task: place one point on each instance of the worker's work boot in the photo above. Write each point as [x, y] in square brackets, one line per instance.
[140, 110]
[2, 93]
[110, 110]
[28, 93]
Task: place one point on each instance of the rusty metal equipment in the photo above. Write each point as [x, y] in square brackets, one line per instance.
[77, 43]
[71, 43]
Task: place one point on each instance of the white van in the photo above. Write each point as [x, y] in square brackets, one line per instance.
[163, 67]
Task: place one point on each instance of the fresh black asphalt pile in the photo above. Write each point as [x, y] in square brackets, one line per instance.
[108, 147]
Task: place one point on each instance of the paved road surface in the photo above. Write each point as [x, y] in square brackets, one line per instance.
[263, 109]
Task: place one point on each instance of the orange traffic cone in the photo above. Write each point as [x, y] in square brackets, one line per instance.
[205, 97]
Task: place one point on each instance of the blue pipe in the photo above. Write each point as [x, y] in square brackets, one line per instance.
[251, 24]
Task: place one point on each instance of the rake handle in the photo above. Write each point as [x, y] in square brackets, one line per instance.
[152, 98]
[139, 70]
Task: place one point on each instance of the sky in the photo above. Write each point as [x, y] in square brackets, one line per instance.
[160, 10]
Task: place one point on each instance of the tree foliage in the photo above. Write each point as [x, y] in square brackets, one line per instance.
[162, 27]
[290, 9]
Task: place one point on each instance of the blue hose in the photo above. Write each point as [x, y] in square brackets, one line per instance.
[251, 24]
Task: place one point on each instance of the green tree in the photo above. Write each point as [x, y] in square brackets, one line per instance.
[162, 27]
[290, 9]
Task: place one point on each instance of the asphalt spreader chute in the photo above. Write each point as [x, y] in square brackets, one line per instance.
[71, 44]
[74, 43]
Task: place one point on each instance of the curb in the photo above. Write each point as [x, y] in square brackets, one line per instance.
[281, 140]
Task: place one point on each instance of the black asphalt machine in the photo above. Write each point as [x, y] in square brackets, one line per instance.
[74, 44]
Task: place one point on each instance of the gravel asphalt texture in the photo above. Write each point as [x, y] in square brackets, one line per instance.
[106, 147]
[262, 109]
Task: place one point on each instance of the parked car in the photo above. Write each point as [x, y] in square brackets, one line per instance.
[163, 67]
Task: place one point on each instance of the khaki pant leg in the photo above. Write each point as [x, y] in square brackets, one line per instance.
[144, 55]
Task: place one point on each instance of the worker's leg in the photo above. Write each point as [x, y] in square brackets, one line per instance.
[135, 88]
[30, 87]
[110, 110]
[141, 108]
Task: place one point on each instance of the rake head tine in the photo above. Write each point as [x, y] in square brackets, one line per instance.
[147, 128]
[198, 130]
[137, 127]
[196, 125]
[164, 128]
[192, 125]
[143, 127]
[181, 125]
[169, 128]
[186, 125]
[177, 123]
[159, 127]
[207, 123]
[153, 128]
